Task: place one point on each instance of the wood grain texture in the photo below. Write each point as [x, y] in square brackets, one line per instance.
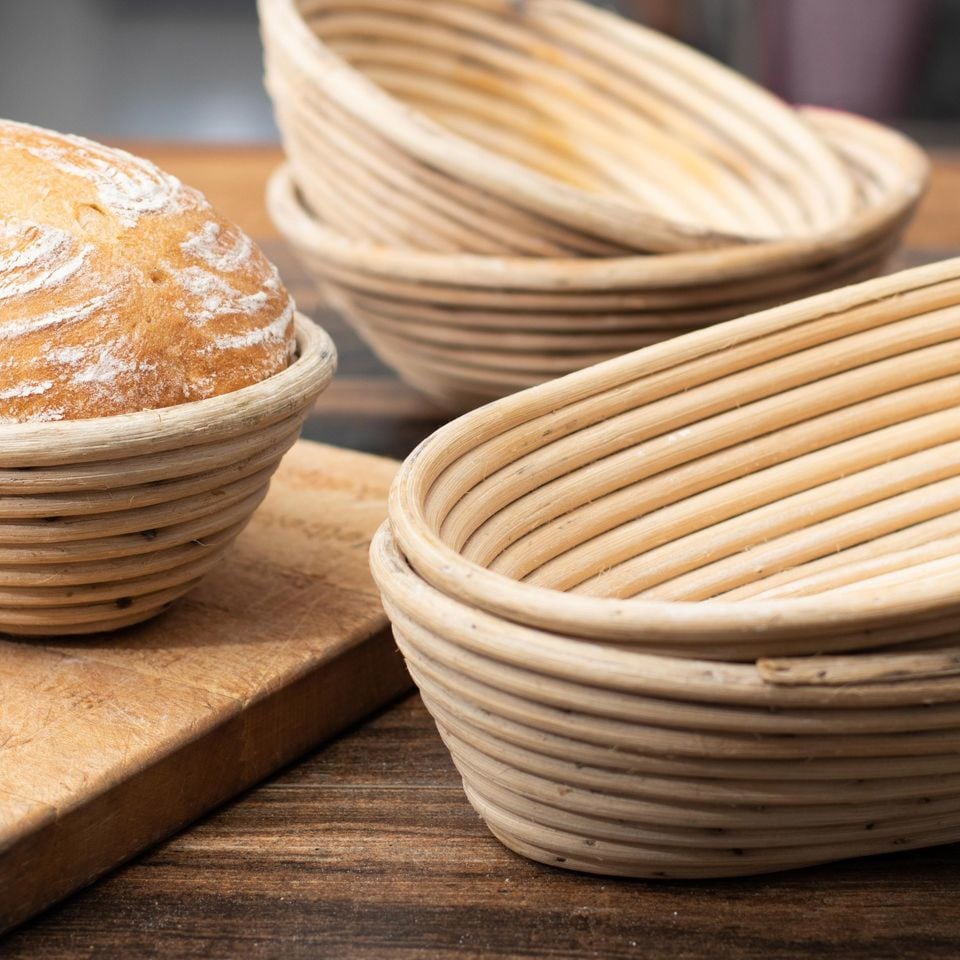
[370, 849]
[111, 742]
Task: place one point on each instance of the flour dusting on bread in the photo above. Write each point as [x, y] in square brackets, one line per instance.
[211, 296]
[27, 324]
[126, 185]
[274, 332]
[35, 257]
[223, 249]
[120, 288]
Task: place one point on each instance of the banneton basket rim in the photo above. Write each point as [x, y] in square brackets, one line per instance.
[632, 670]
[609, 216]
[639, 270]
[56, 443]
[646, 619]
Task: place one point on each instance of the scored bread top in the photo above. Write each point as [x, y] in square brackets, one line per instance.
[120, 288]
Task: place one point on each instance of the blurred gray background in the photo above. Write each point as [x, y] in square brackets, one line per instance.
[142, 69]
[189, 70]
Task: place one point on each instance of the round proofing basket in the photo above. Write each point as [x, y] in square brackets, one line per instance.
[608, 760]
[569, 115]
[782, 484]
[105, 522]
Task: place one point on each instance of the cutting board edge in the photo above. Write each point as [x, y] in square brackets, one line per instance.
[32, 870]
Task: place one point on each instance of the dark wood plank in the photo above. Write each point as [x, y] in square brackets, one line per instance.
[370, 850]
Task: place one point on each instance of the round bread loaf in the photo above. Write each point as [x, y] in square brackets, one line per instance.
[120, 288]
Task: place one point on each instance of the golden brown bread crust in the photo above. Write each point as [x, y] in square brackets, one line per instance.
[121, 289]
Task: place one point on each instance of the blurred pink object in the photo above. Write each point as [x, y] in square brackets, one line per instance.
[857, 55]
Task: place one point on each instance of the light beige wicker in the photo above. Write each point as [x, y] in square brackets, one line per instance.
[105, 522]
[467, 329]
[605, 759]
[693, 612]
[707, 464]
[579, 129]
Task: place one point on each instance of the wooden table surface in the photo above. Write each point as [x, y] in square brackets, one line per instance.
[369, 849]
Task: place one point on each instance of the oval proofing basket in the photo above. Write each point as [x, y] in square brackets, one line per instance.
[467, 329]
[694, 612]
[105, 522]
[572, 125]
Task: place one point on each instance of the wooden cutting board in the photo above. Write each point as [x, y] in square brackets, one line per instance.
[108, 744]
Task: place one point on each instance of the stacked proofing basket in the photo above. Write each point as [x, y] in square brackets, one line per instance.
[497, 193]
[693, 612]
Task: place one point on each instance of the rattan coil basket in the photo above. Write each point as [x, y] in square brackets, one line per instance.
[105, 522]
[693, 612]
[467, 329]
[604, 759]
[657, 498]
[539, 124]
